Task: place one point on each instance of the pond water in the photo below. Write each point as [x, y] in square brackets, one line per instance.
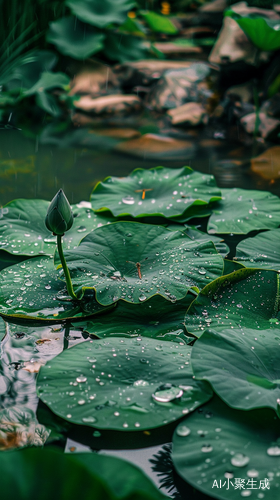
[29, 169]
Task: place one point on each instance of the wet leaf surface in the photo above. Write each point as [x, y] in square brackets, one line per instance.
[155, 318]
[158, 191]
[261, 251]
[122, 384]
[134, 262]
[242, 366]
[23, 230]
[242, 210]
[217, 443]
[32, 290]
[247, 298]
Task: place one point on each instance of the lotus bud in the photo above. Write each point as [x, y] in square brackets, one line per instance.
[59, 217]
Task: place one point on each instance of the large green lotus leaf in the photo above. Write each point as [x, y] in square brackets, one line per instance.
[75, 38]
[194, 234]
[33, 290]
[216, 448]
[100, 13]
[261, 251]
[47, 473]
[155, 318]
[242, 366]
[263, 32]
[122, 48]
[158, 191]
[23, 230]
[122, 384]
[242, 210]
[247, 298]
[134, 262]
[49, 81]
[158, 23]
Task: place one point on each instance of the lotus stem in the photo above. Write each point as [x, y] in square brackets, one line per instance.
[69, 285]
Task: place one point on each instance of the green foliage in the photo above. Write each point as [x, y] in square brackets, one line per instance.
[145, 384]
[182, 323]
[44, 474]
[236, 444]
[263, 32]
[158, 23]
[156, 192]
[100, 14]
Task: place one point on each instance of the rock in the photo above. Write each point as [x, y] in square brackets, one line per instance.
[177, 87]
[242, 93]
[152, 146]
[109, 104]
[214, 6]
[145, 72]
[191, 113]
[267, 165]
[119, 133]
[94, 80]
[267, 128]
[272, 106]
[233, 45]
[172, 49]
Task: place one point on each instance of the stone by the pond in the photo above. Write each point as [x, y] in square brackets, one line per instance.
[177, 87]
[172, 49]
[267, 127]
[146, 71]
[152, 146]
[267, 165]
[109, 104]
[242, 93]
[233, 44]
[94, 80]
[214, 6]
[272, 106]
[191, 113]
[119, 133]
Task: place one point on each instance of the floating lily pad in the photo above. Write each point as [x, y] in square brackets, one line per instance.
[33, 290]
[217, 448]
[100, 14]
[241, 211]
[242, 366]
[194, 234]
[134, 262]
[155, 318]
[52, 474]
[23, 230]
[247, 298]
[261, 251]
[158, 191]
[122, 384]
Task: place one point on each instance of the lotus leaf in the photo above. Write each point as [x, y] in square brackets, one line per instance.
[122, 384]
[122, 48]
[158, 191]
[155, 318]
[260, 251]
[52, 474]
[102, 13]
[247, 298]
[242, 210]
[75, 38]
[241, 365]
[40, 294]
[158, 23]
[134, 262]
[216, 448]
[23, 230]
[262, 31]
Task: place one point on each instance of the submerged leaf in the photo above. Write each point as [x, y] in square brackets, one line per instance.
[261, 251]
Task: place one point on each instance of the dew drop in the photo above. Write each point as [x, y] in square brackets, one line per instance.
[183, 431]
[81, 402]
[81, 229]
[239, 460]
[142, 297]
[89, 420]
[81, 379]
[166, 393]
[140, 383]
[207, 448]
[128, 200]
[273, 451]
